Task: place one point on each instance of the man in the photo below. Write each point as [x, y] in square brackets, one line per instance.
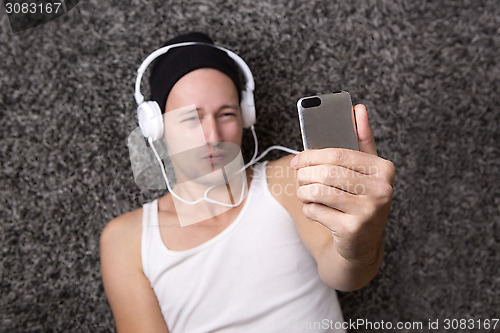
[269, 264]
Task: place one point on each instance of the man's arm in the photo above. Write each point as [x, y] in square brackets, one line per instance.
[349, 194]
[132, 300]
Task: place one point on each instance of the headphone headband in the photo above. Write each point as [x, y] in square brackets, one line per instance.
[249, 81]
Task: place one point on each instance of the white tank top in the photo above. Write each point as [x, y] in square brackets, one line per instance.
[255, 276]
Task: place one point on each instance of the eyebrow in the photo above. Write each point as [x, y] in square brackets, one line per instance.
[222, 107]
[187, 112]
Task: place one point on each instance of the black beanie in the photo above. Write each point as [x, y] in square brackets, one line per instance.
[177, 62]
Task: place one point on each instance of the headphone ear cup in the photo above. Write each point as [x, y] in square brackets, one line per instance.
[247, 108]
[150, 120]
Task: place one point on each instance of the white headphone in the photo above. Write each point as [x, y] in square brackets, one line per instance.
[149, 113]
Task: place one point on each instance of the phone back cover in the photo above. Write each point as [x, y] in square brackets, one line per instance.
[329, 125]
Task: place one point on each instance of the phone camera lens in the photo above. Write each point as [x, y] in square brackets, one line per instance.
[310, 102]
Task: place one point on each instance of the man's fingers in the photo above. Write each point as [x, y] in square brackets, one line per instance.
[325, 215]
[344, 179]
[351, 159]
[366, 141]
[328, 196]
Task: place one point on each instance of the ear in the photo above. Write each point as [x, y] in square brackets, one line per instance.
[247, 108]
[150, 120]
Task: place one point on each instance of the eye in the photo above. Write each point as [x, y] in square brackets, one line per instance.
[190, 119]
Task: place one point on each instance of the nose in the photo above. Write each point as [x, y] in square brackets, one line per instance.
[211, 130]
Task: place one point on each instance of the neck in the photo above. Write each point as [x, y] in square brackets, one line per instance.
[230, 192]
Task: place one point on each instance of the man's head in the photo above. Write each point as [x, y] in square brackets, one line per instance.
[207, 136]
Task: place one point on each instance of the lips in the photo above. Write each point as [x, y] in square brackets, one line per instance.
[216, 157]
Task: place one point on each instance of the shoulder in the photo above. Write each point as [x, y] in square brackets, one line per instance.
[280, 170]
[123, 234]
[120, 247]
[281, 181]
[124, 225]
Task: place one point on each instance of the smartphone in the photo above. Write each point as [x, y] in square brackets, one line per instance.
[327, 121]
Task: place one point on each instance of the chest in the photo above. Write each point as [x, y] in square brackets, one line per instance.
[180, 238]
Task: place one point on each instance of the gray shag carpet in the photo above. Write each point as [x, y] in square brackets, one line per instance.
[428, 72]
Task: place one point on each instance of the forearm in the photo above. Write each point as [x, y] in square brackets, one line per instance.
[346, 275]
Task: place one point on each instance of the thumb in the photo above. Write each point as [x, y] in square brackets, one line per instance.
[364, 131]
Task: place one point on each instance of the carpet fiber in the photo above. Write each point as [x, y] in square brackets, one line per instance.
[428, 71]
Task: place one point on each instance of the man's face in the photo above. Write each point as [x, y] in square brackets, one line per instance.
[207, 136]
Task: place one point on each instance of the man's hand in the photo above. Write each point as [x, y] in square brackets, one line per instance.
[350, 193]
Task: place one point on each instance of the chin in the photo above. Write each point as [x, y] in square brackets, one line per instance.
[215, 178]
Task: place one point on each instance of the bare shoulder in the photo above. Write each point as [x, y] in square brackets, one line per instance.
[283, 161]
[122, 235]
[280, 170]
[281, 180]
[125, 227]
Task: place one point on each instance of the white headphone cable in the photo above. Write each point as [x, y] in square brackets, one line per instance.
[205, 197]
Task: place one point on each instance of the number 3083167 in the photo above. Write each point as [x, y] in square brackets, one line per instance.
[488, 324]
[33, 8]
